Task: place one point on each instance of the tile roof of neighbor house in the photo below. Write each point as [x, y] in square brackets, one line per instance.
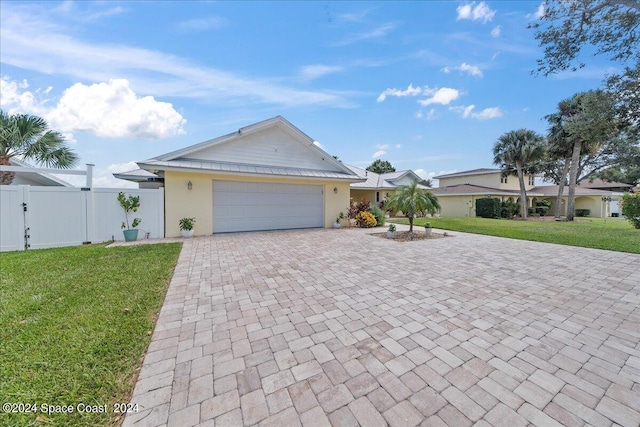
[460, 189]
[552, 190]
[381, 181]
[599, 183]
[181, 159]
[480, 171]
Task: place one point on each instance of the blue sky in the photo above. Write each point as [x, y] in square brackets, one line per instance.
[429, 86]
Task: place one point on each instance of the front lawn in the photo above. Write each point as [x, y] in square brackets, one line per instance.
[614, 234]
[75, 324]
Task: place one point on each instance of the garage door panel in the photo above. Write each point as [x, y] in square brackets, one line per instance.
[249, 206]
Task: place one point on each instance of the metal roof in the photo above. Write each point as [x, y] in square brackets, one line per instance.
[243, 169]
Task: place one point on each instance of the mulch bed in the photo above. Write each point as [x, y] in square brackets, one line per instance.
[406, 236]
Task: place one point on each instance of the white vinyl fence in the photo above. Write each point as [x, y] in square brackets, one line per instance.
[45, 217]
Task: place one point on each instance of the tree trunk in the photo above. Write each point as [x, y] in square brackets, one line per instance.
[6, 178]
[410, 223]
[524, 206]
[573, 177]
[565, 171]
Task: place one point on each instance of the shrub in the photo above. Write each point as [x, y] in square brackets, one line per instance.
[630, 205]
[509, 209]
[356, 207]
[542, 207]
[378, 213]
[366, 220]
[583, 212]
[488, 208]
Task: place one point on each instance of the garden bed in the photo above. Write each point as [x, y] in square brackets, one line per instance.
[407, 236]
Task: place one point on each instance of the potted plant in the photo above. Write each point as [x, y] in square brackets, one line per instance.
[339, 218]
[427, 229]
[186, 226]
[391, 233]
[129, 204]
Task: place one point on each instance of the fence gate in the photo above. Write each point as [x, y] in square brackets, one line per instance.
[43, 217]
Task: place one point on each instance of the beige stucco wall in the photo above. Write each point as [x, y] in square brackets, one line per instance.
[181, 202]
[491, 180]
[456, 206]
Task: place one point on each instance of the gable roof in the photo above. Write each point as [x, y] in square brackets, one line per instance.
[37, 178]
[480, 171]
[464, 189]
[138, 175]
[251, 151]
[375, 181]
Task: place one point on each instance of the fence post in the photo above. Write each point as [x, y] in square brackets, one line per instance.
[90, 175]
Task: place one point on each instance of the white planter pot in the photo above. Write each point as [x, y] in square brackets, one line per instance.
[427, 231]
[187, 233]
[391, 234]
[336, 225]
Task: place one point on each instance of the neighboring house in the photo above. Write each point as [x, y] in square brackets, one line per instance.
[378, 187]
[458, 192]
[143, 178]
[266, 176]
[35, 178]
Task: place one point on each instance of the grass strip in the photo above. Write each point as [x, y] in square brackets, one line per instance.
[613, 234]
[75, 324]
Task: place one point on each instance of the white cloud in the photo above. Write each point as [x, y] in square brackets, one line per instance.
[33, 40]
[472, 70]
[105, 109]
[486, 114]
[200, 24]
[376, 33]
[311, 72]
[441, 96]
[475, 12]
[410, 91]
[539, 13]
[382, 146]
[397, 146]
[496, 32]
[122, 167]
[378, 153]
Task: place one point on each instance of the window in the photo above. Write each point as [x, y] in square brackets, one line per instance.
[531, 180]
[377, 197]
[503, 179]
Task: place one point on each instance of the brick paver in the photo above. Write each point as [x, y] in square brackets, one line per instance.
[337, 327]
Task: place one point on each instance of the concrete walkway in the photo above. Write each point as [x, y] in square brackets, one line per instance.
[337, 327]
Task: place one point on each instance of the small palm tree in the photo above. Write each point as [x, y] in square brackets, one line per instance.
[28, 136]
[519, 150]
[410, 200]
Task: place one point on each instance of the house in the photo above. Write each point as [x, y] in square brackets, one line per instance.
[378, 187]
[458, 192]
[266, 176]
[42, 179]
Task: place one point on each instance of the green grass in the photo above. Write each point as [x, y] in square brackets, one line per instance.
[75, 324]
[613, 233]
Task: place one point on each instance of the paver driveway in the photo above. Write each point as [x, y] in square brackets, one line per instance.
[320, 327]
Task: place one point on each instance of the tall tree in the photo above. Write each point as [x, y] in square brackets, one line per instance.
[381, 166]
[410, 200]
[518, 152]
[610, 27]
[29, 137]
[586, 122]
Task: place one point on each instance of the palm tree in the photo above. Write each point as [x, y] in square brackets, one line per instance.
[410, 200]
[28, 136]
[519, 150]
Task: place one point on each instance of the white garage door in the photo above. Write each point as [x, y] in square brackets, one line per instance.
[249, 206]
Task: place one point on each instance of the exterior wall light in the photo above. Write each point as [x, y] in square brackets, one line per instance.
[335, 190]
[189, 185]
